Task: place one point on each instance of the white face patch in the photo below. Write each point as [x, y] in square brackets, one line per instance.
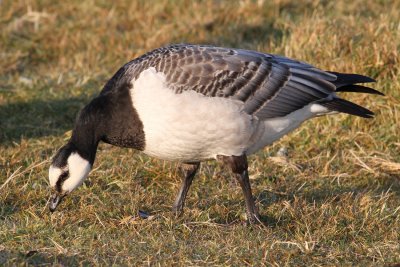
[78, 168]
[54, 174]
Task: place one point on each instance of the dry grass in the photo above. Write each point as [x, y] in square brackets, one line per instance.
[334, 201]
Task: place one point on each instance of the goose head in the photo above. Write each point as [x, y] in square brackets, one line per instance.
[68, 170]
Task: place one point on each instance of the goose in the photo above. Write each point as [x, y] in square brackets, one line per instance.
[193, 103]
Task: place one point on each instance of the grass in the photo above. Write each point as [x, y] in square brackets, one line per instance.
[334, 201]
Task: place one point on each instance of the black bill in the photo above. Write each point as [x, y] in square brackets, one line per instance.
[55, 199]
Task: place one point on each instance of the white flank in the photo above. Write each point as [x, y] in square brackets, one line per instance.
[190, 126]
[79, 168]
[273, 129]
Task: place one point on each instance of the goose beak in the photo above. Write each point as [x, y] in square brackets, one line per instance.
[55, 200]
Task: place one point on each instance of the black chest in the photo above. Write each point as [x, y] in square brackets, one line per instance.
[123, 126]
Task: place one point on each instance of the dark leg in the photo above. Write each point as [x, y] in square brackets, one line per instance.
[188, 171]
[238, 165]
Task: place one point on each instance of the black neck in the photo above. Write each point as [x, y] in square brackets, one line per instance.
[111, 118]
[89, 129]
[122, 126]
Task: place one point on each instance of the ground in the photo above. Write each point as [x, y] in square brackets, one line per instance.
[334, 200]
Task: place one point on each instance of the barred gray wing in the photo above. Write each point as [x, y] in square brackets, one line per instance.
[269, 85]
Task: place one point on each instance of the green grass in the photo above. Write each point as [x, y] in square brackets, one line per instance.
[334, 201]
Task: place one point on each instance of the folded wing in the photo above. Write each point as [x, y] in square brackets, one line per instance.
[269, 85]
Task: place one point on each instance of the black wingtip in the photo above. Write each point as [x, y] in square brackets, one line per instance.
[358, 89]
[347, 82]
[348, 107]
[351, 78]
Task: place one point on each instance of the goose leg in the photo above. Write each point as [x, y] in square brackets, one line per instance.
[238, 165]
[188, 171]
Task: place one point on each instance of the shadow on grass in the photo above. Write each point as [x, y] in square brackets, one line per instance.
[38, 118]
[39, 258]
[7, 208]
[245, 36]
[327, 191]
[318, 196]
[267, 29]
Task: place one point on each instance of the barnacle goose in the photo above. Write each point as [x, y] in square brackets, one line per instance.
[191, 103]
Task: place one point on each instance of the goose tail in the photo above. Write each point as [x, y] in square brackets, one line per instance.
[349, 83]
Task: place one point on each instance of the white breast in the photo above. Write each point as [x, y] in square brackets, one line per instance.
[189, 126]
[193, 127]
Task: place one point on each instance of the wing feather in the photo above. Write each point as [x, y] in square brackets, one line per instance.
[269, 85]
